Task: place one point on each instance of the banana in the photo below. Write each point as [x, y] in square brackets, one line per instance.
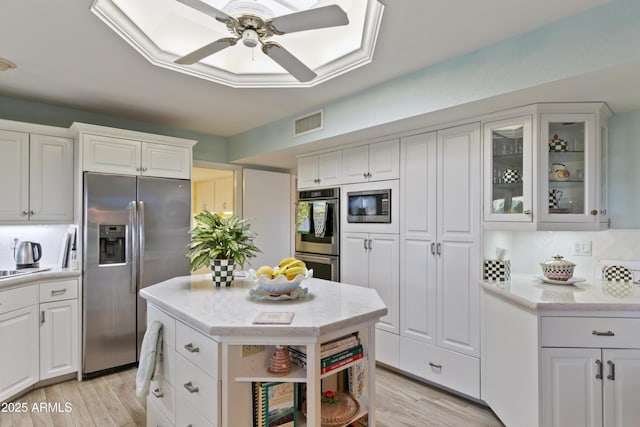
[265, 270]
[294, 271]
[286, 261]
[294, 263]
[277, 272]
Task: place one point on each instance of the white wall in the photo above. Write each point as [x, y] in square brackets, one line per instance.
[529, 248]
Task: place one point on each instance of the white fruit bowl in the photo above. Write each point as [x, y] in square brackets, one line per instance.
[279, 285]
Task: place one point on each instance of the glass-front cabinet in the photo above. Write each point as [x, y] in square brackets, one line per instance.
[568, 170]
[508, 176]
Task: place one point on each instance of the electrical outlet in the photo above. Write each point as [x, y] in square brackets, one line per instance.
[248, 350]
[581, 248]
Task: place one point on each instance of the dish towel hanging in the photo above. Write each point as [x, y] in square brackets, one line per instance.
[303, 218]
[319, 218]
[150, 366]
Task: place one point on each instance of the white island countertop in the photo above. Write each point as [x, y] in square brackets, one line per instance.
[228, 311]
[590, 295]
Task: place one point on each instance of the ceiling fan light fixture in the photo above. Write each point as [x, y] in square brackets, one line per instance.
[5, 64]
[250, 38]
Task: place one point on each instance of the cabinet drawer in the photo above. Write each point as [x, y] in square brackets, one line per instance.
[14, 299]
[58, 290]
[164, 396]
[590, 332]
[199, 349]
[448, 368]
[188, 415]
[168, 324]
[198, 389]
[155, 416]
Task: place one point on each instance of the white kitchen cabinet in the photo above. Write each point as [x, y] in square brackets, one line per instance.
[320, 170]
[440, 257]
[110, 150]
[58, 328]
[371, 260]
[36, 176]
[373, 162]
[19, 344]
[223, 195]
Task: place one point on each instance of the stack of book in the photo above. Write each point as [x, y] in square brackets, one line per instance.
[333, 354]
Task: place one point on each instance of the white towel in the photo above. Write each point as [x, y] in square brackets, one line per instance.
[150, 366]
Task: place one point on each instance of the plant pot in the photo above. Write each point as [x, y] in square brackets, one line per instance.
[222, 271]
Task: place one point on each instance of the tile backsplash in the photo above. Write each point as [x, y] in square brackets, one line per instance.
[527, 249]
[50, 238]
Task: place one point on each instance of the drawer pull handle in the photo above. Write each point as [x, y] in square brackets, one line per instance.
[435, 365]
[157, 393]
[612, 370]
[603, 334]
[191, 349]
[190, 388]
[599, 374]
[58, 292]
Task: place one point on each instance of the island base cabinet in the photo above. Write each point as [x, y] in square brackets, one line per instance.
[441, 366]
[155, 417]
[387, 348]
[590, 387]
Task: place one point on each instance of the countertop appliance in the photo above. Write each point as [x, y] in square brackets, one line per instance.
[369, 206]
[320, 251]
[27, 255]
[135, 233]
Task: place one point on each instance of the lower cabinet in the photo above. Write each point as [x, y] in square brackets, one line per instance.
[58, 338]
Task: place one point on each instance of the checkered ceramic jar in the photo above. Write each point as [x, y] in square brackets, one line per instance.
[511, 176]
[557, 144]
[222, 271]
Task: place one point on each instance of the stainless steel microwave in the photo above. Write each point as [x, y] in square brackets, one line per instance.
[372, 206]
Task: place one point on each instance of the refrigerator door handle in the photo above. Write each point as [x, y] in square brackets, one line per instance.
[133, 219]
[141, 241]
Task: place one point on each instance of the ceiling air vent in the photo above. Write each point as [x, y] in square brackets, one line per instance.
[307, 124]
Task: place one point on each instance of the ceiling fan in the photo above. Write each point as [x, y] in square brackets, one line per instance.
[254, 30]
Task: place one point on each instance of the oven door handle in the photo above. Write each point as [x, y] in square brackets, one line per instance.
[326, 259]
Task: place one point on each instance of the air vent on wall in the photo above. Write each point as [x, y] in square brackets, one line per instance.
[310, 123]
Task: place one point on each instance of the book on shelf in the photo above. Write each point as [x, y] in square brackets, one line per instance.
[341, 363]
[274, 404]
[300, 358]
[332, 347]
[356, 378]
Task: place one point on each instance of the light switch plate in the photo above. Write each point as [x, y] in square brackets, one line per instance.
[581, 248]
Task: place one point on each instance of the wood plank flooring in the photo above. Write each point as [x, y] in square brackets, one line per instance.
[110, 401]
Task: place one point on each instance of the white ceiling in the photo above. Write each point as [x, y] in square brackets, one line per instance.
[68, 57]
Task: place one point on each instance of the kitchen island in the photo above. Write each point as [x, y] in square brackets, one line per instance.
[561, 355]
[213, 351]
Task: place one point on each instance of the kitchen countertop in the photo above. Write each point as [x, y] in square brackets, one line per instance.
[591, 295]
[226, 311]
[8, 282]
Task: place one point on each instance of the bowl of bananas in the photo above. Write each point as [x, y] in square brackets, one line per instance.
[283, 278]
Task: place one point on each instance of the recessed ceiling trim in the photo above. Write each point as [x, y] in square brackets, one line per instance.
[120, 23]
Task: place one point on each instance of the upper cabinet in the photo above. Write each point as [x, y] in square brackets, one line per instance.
[321, 170]
[112, 150]
[373, 162]
[36, 177]
[547, 170]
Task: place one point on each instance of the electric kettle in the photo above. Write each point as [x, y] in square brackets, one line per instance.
[28, 254]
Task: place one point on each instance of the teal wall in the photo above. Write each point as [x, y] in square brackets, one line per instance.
[594, 40]
[624, 170]
[211, 148]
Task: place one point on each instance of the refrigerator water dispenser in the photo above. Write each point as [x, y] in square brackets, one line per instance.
[112, 244]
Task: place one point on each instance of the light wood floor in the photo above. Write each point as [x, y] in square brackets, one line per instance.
[110, 401]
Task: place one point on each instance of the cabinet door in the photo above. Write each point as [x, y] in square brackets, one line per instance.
[165, 161]
[18, 350]
[567, 167]
[384, 160]
[508, 179]
[355, 164]
[603, 173]
[384, 276]
[58, 338]
[308, 172]
[621, 381]
[14, 176]
[354, 259]
[571, 390]
[223, 195]
[111, 155]
[51, 178]
[329, 168]
[457, 247]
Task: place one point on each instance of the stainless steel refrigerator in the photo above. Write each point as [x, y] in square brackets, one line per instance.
[135, 233]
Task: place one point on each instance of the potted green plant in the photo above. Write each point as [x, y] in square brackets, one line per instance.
[221, 243]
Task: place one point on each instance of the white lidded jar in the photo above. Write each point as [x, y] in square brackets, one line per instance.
[557, 268]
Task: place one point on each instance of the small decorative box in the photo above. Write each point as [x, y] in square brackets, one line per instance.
[497, 270]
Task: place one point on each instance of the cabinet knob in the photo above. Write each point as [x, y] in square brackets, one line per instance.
[144, 169]
[527, 212]
[603, 211]
[32, 212]
[594, 212]
[138, 169]
[24, 213]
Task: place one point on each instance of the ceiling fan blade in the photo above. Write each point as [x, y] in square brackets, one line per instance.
[206, 50]
[286, 60]
[206, 9]
[322, 17]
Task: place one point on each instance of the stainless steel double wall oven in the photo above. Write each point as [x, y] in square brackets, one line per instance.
[321, 251]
